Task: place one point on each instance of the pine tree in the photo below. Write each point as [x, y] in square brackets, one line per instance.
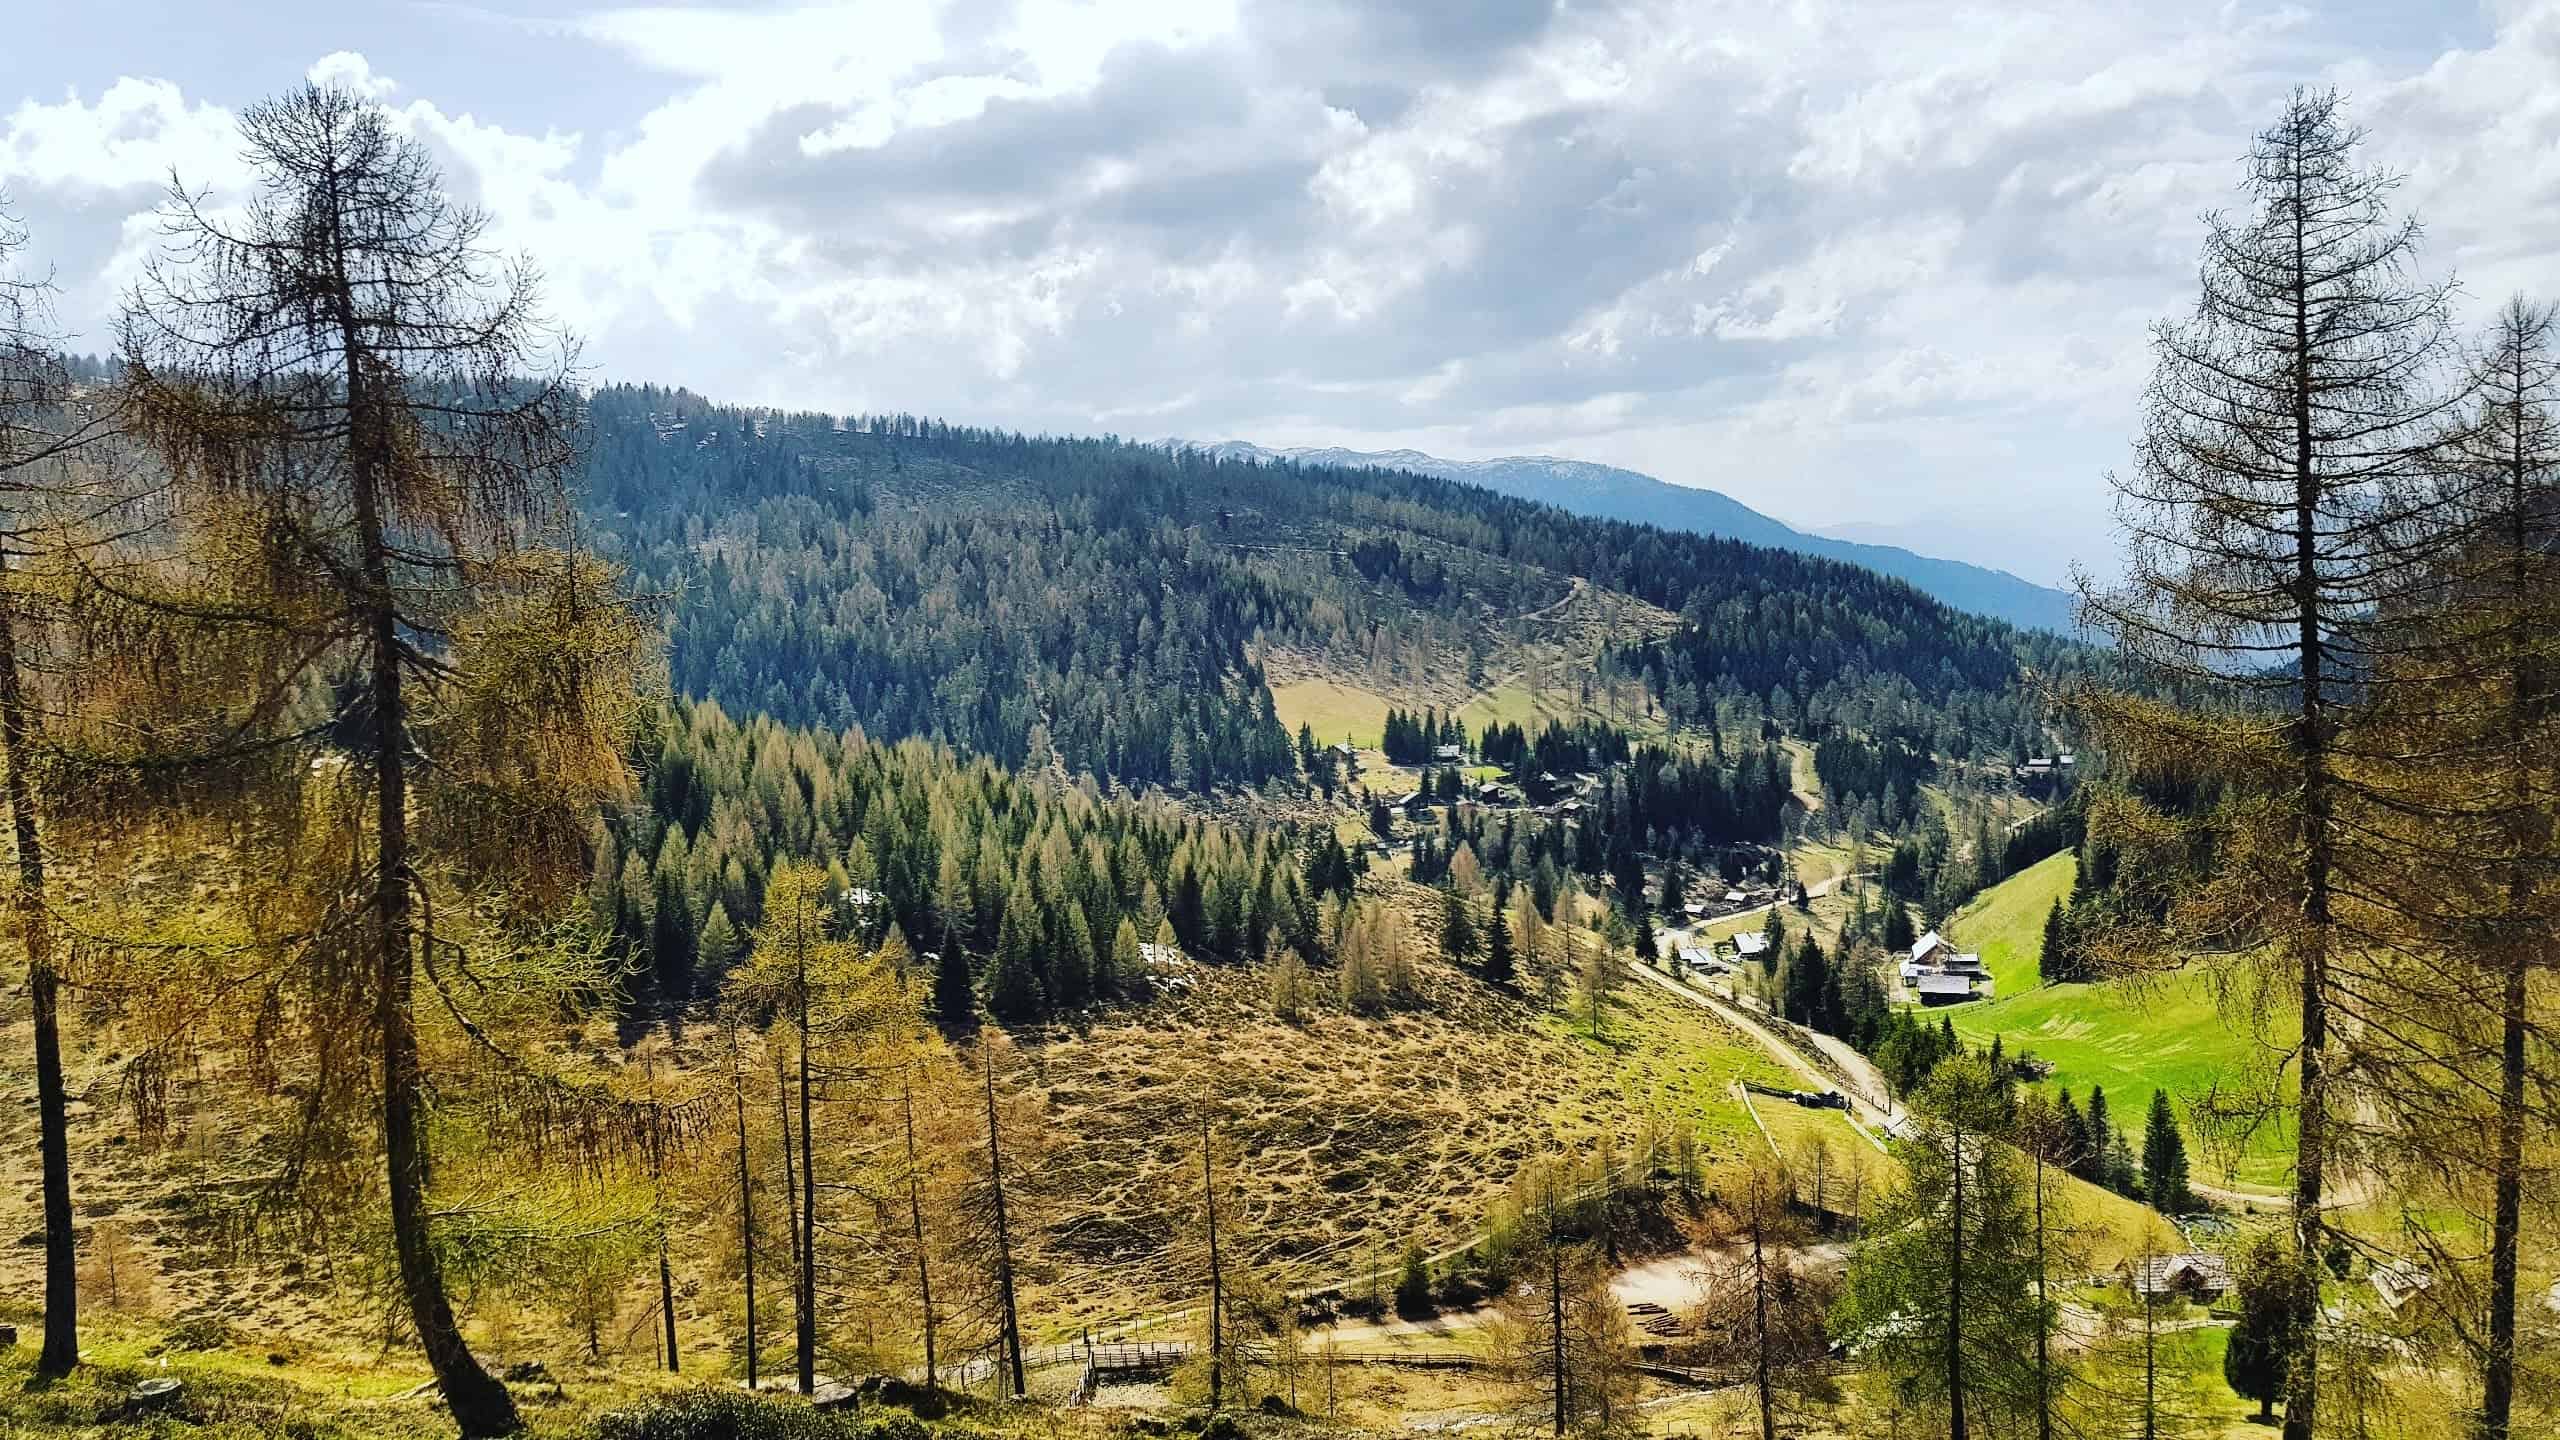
[2269, 1291]
[2164, 1159]
[1500, 966]
[1457, 926]
[1014, 992]
[717, 945]
[1898, 937]
[2096, 1160]
[1413, 1282]
[2074, 1148]
[955, 989]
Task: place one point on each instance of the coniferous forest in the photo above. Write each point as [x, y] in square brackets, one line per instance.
[549, 904]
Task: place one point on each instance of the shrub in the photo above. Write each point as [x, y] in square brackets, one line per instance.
[719, 1414]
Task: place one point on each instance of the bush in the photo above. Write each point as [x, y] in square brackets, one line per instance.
[721, 1414]
[202, 1332]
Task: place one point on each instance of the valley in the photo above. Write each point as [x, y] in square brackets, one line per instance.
[546, 902]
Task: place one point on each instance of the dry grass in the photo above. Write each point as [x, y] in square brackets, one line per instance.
[1350, 1136]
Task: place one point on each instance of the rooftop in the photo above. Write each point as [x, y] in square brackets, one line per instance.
[2198, 1269]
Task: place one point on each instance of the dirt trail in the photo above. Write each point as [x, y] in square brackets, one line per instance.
[1868, 1084]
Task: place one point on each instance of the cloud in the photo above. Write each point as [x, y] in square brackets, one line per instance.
[1882, 261]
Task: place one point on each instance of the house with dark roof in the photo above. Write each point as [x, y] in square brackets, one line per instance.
[2198, 1275]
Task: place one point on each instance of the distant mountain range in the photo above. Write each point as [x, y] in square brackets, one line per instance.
[1610, 493]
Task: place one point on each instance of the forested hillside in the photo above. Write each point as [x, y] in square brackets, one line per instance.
[1019, 597]
[1056, 886]
[1606, 491]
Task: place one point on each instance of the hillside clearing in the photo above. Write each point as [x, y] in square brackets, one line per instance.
[1332, 710]
[2129, 1036]
[2006, 922]
[1355, 1135]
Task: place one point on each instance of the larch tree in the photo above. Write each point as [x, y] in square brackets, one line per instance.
[2142, 1378]
[1762, 1318]
[746, 1200]
[988, 1226]
[2275, 515]
[2459, 793]
[855, 1028]
[44, 428]
[2041, 1131]
[394, 652]
[1562, 1337]
[1944, 1293]
[2516, 445]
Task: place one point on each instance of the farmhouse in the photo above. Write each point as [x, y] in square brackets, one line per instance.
[1937, 975]
[2197, 1275]
[2397, 1282]
[1751, 943]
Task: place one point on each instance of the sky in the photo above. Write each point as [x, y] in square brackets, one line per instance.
[1887, 266]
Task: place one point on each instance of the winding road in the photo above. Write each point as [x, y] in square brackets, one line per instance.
[1872, 1107]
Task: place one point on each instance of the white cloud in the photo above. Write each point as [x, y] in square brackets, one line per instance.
[131, 137]
[1836, 259]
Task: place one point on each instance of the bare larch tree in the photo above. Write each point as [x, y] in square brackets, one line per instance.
[44, 427]
[2274, 513]
[368, 432]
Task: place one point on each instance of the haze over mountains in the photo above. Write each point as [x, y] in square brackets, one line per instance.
[1608, 492]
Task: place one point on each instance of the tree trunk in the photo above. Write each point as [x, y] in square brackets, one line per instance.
[481, 1406]
[790, 1164]
[807, 1300]
[2311, 1131]
[2506, 1227]
[2151, 1366]
[2044, 1318]
[1555, 1317]
[746, 1204]
[35, 927]
[1955, 1290]
[1760, 1313]
[1217, 1281]
[1004, 1241]
[915, 1214]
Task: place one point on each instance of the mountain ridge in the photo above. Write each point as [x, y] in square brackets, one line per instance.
[1611, 492]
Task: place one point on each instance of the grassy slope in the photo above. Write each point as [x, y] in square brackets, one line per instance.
[1332, 709]
[2006, 922]
[2116, 1225]
[2165, 1033]
[1353, 1135]
[1348, 1137]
